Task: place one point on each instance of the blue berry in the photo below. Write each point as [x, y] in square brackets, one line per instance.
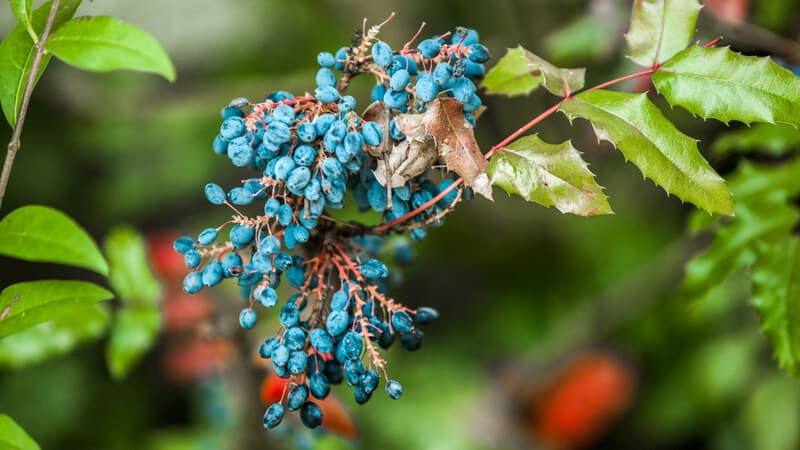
[478, 53]
[220, 145]
[326, 94]
[231, 264]
[295, 337]
[321, 340]
[193, 283]
[268, 346]
[325, 78]
[347, 103]
[283, 166]
[270, 245]
[304, 155]
[285, 215]
[442, 74]
[372, 269]
[247, 318]
[192, 259]
[377, 93]
[332, 168]
[297, 396]
[382, 54]
[240, 196]
[412, 341]
[277, 132]
[426, 89]
[394, 389]
[399, 80]
[232, 127]
[341, 56]
[402, 322]
[429, 48]
[325, 59]
[289, 316]
[241, 235]
[297, 362]
[472, 104]
[352, 344]
[311, 415]
[339, 301]
[240, 152]
[372, 133]
[280, 355]
[426, 315]
[395, 100]
[337, 322]
[360, 395]
[284, 113]
[319, 385]
[369, 381]
[306, 132]
[464, 36]
[463, 89]
[323, 123]
[353, 369]
[267, 296]
[273, 415]
[283, 261]
[212, 274]
[215, 194]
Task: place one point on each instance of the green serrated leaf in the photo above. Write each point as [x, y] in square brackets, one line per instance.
[548, 174]
[133, 333]
[776, 140]
[732, 247]
[43, 234]
[776, 297]
[102, 44]
[13, 437]
[651, 142]
[129, 273]
[26, 304]
[54, 338]
[16, 56]
[724, 85]
[513, 75]
[660, 29]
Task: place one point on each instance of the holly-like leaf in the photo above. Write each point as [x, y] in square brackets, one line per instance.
[648, 139]
[133, 333]
[102, 44]
[513, 75]
[519, 72]
[444, 126]
[129, 273]
[17, 52]
[733, 246]
[776, 140]
[43, 234]
[54, 338]
[776, 297]
[660, 29]
[548, 174]
[724, 85]
[26, 304]
[13, 437]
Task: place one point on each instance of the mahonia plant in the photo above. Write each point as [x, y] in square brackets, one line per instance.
[412, 156]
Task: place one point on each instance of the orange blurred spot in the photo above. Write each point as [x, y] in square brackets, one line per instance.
[336, 418]
[729, 10]
[198, 359]
[586, 397]
[184, 311]
[165, 260]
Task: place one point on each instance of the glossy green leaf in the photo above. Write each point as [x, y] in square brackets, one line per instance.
[651, 142]
[752, 182]
[721, 84]
[54, 338]
[26, 304]
[43, 234]
[133, 333]
[588, 38]
[660, 29]
[129, 274]
[776, 297]
[13, 437]
[102, 44]
[733, 246]
[777, 140]
[548, 174]
[17, 52]
[23, 9]
[519, 72]
[513, 75]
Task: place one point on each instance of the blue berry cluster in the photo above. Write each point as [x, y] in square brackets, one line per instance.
[307, 152]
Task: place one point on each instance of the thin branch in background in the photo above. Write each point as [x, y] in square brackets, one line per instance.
[14, 143]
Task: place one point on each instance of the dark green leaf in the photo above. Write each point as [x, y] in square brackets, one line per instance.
[520, 72]
[776, 296]
[53, 338]
[590, 37]
[718, 83]
[660, 29]
[665, 155]
[771, 139]
[129, 273]
[513, 75]
[42, 234]
[102, 44]
[548, 174]
[133, 333]
[16, 56]
[733, 246]
[13, 437]
[26, 304]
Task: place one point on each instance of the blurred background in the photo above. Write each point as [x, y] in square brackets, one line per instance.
[556, 332]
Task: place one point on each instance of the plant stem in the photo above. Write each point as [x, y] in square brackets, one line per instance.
[14, 143]
[499, 146]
